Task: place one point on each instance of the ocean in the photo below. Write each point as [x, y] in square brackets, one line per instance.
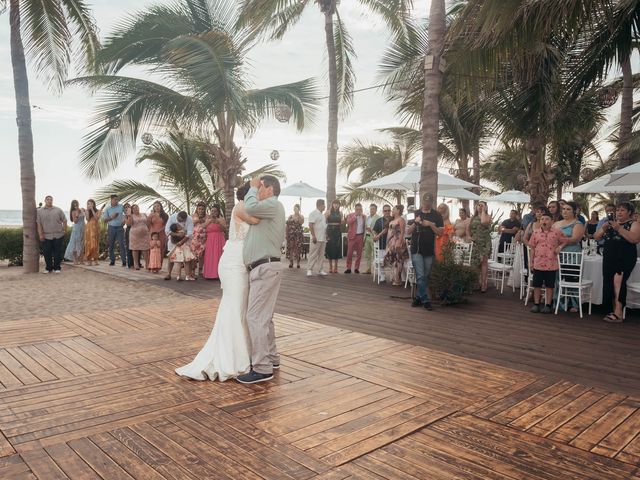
[10, 217]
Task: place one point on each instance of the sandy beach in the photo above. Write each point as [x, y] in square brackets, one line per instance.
[75, 290]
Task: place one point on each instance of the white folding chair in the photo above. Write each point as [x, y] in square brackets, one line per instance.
[521, 251]
[501, 270]
[462, 253]
[571, 283]
[411, 276]
[633, 287]
[378, 262]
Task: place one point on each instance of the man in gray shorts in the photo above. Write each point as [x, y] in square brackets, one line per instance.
[262, 257]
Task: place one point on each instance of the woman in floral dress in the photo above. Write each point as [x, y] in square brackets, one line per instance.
[397, 252]
[295, 236]
[479, 232]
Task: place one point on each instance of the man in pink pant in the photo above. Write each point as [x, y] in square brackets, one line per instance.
[356, 222]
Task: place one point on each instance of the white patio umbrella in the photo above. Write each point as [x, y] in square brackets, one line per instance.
[512, 196]
[408, 179]
[302, 190]
[460, 194]
[626, 177]
[600, 185]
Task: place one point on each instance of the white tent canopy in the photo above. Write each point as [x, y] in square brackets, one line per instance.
[512, 196]
[628, 177]
[460, 194]
[408, 179]
[600, 185]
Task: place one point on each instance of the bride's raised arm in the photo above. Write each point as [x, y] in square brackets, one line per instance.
[244, 216]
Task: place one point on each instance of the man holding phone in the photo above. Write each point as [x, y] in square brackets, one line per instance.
[114, 218]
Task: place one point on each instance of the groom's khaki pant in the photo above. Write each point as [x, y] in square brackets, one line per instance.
[264, 285]
[316, 256]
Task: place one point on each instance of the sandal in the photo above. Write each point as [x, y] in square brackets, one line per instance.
[573, 310]
[612, 318]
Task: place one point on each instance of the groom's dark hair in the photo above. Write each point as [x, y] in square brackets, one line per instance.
[271, 181]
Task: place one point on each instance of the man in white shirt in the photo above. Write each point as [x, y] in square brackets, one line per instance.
[186, 221]
[368, 236]
[318, 230]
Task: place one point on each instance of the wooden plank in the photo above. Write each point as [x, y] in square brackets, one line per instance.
[43, 466]
[620, 437]
[5, 447]
[98, 460]
[13, 467]
[40, 371]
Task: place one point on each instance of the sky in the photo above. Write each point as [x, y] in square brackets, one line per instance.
[60, 122]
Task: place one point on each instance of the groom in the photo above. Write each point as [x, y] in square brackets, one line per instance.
[262, 257]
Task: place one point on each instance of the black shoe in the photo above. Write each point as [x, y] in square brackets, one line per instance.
[111, 264]
[348, 270]
[254, 377]
[416, 302]
[356, 271]
[427, 306]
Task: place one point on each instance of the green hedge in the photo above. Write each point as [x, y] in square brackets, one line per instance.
[11, 244]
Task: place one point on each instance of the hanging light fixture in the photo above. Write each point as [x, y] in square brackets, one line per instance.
[275, 155]
[147, 138]
[607, 96]
[113, 122]
[283, 112]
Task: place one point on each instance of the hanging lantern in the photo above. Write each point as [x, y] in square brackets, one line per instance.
[275, 155]
[587, 173]
[283, 113]
[113, 122]
[607, 96]
[147, 138]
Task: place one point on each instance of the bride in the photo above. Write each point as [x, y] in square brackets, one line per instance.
[226, 353]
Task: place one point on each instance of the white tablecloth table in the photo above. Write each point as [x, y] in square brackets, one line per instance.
[593, 271]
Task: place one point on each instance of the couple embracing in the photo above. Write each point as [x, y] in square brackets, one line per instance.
[242, 344]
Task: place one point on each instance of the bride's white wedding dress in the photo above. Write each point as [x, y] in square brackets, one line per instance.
[226, 353]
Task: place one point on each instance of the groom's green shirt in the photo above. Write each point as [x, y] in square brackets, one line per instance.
[265, 239]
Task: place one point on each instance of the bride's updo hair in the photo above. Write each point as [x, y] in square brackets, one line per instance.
[242, 191]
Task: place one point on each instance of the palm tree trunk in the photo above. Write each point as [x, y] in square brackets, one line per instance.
[476, 169]
[30, 248]
[431, 107]
[626, 112]
[538, 184]
[332, 145]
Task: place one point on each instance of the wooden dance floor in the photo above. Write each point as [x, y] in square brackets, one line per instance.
[88, 396]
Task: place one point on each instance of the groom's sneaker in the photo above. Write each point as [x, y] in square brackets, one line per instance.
[254, 377]
[276, 366]
[309, 273]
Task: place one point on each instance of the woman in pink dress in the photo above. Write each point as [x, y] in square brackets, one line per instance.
[215, 227]
[157, 222]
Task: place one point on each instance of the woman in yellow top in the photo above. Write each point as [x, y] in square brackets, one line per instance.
[447, 233]
[92, 233]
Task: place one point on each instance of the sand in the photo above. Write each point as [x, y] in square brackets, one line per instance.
[74, 290]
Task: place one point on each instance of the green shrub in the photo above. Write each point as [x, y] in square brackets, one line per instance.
[450, 281]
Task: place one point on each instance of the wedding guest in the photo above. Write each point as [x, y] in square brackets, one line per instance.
[479, 232]
[609, 215]
[380, 230]
[428, 224]
[52, 225]
[295, 236]
[75, 248]
[333, 250]
[114, 218]
[619, 258]
[396, 245]
[460, 227]
[555, 210]
[592, 224]
[127, 232]
[180, 255]
[155, 253]
[199, 238]
[186, 224]
[571, 228]
[508, 229]
[580, 217]
[216, 226]
[92, 233]
[447, 231]
[545, 243]
[318, 241]
[157, 223]
[138, 235]
[368, 236]
[356, 223]
[534, 226]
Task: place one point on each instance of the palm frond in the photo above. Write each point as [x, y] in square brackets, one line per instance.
[134, 192]
[84, 32]
[270, 18]
[344, 65]
[268, 169]
[352, 194]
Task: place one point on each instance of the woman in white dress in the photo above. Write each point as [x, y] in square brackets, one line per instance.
[226, 353]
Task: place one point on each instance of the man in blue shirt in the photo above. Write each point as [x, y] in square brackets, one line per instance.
[114, 218]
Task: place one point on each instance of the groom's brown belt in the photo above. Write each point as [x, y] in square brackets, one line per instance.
[262, 261]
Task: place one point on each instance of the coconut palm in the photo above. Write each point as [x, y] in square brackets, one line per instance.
[53, 32]
[197, 48]
[273, 18]
[182, 168]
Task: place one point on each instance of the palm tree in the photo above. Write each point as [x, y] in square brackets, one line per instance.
[182, 167]
[200, 52]
[274, 18]
[373, 161]
[51, 31]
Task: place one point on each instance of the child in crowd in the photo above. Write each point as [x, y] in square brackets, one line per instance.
[155, 255]
[545, 245]
[180, 254]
